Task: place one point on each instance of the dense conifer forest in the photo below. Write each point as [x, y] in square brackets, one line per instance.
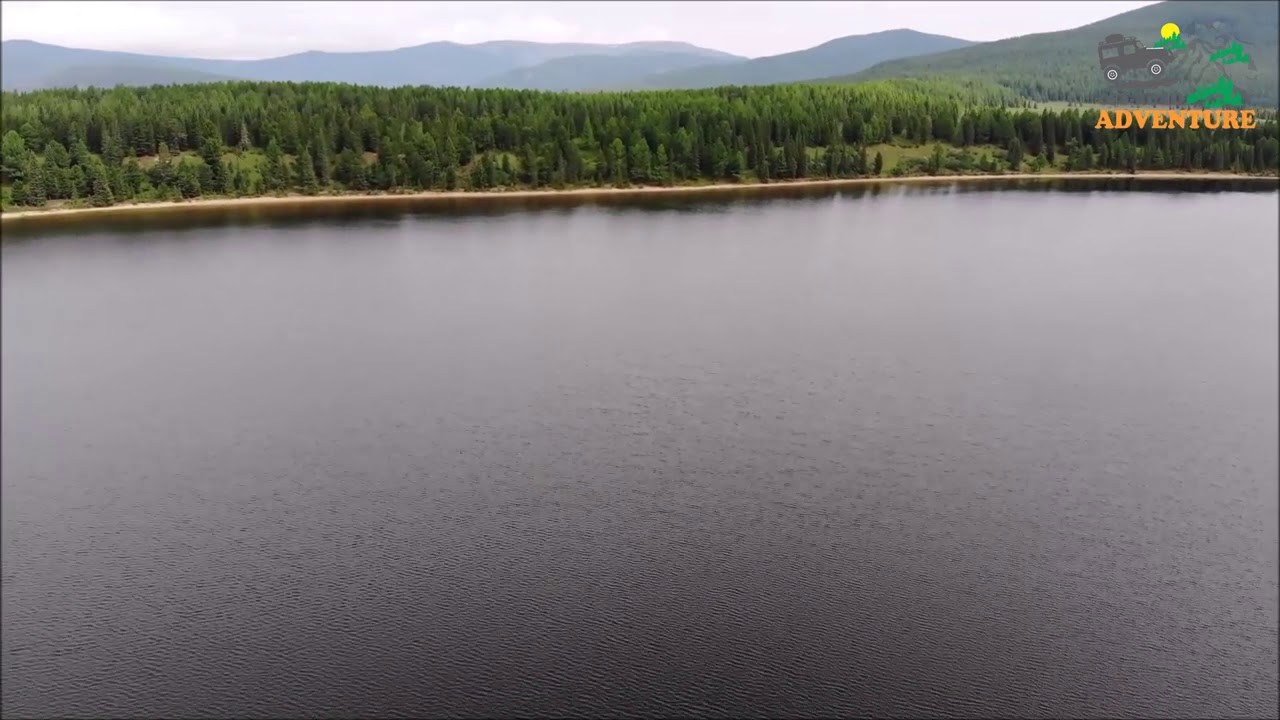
[102, 147]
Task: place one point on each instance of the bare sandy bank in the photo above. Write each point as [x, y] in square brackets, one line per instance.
[587, 193]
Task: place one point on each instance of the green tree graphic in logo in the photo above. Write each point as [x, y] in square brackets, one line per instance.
[1217, 94]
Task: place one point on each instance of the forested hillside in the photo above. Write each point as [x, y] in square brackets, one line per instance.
[105, 76]
[1063, 66]
[237, 139]
[842, 55]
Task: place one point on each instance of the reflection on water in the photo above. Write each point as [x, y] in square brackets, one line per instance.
[345, 212]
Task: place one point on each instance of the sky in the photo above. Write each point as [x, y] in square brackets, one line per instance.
[251, 30]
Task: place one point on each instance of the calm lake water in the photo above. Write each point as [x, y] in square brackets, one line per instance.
[909, 452]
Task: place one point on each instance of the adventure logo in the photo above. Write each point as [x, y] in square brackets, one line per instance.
[1148, 67]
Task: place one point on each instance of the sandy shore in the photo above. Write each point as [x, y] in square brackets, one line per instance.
[586, 193]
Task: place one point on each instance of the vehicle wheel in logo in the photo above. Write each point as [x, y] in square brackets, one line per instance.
[1156, 67]
[1112, 73]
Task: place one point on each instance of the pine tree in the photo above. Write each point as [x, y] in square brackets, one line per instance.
[618, 162]
[227, 186]
[488, 172]
[244, 183]
[936, 160]
[133, 176]
[211, 153]
[529, 170]
[307, 181]
[79, 182]
[274, 177]
[102, 196]
[1015, 154]
[639, 161]
[112, 149]
[13, 154]
[351, 172]
[661, 165]
[188, 180]
[507, 174]
[449, 161]
[33, 176]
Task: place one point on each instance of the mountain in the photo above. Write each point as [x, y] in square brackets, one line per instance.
[105, 76]
[601, 72]
[28, 65]
[1064, 65]
[840, 56]
[24, 65]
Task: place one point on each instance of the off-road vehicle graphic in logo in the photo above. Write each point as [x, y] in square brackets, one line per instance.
[1118, 54]
[1127, 62]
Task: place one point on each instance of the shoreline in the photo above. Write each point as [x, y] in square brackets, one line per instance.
[598, 192]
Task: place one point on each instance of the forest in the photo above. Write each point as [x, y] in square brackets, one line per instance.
[102, 147]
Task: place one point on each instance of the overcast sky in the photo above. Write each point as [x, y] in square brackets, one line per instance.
[248, 30]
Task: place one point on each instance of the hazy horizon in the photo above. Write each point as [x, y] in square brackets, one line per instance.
[252, 30]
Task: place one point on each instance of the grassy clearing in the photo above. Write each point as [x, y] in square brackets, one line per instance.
[1058, 106]
[894, 154]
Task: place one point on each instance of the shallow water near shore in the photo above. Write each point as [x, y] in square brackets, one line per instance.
[930, 451]
[259, 208]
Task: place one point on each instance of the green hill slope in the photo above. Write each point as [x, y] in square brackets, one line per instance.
[106, 76]
[842, 55]
[599, 72]
[1063, 66]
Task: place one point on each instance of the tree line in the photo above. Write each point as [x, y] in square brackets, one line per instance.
[252, 138]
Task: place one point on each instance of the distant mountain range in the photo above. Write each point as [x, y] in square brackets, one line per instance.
[1056, 66]
[28, 65]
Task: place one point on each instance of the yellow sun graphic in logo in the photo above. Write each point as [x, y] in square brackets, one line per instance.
[1169, 30]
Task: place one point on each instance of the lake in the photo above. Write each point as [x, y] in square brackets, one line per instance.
[940, 451]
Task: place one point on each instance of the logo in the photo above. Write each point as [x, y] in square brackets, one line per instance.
[1127, 62]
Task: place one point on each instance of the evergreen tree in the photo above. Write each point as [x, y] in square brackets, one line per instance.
[211, 153]
[351, 171]
[531, 173]
[188, 180]
[639, 161]
[618, 162]
[102, 195]
[506, 173]
[226, 184]
[1015, 154]
[274, 177]
[661, 170]
[13, 155]
[936, 160]
[134, 178]
[307, 181]
[33, 178]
